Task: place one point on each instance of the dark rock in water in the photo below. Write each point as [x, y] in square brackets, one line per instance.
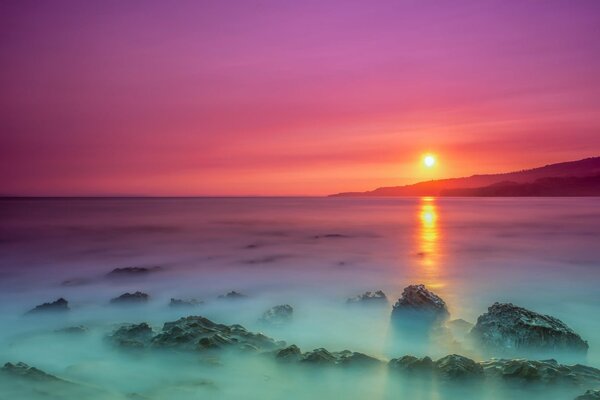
[419, 308]
[131, 271]
[547, 372]
[589, 395]
[331, 236]
[278, 315]
[184, 303]
[135, 335]
[131, 298]
[288, 354]
[59, 305]
[412, 364]
[377, 297]
[199, 333]
[233, 295]
[458, 367]
[343, 358]
[73, 330]
[76, 282]
[509, 328]
[22, 370]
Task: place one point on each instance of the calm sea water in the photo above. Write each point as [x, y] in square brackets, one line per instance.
[312, 253]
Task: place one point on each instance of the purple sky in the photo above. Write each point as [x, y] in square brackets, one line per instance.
[289, 97]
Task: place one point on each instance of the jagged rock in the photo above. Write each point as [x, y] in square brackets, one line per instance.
[547, 372]
[377, 297]
[73, 330]
[131, 271]
[232, 295]
[22, 370]
[135, 335]
[419, 308]
[346, 358]
[589, 395]
[290, 353]
[412, 364]
[131, 298]
[278, 315]
[59, 305]
[458, 367]
[509, 328]
[199, 333]
[184, 303]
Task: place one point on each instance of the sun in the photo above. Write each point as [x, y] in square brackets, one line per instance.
[429, 160]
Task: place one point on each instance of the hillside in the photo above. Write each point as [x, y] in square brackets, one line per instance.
[582, 168]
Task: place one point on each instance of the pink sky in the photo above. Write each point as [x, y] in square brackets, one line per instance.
[289, 97]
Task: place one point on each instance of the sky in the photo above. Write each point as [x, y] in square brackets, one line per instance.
[289, 97]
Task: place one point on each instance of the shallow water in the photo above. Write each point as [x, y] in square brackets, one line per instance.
[312, 253]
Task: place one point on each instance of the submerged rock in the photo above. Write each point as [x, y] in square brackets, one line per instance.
[184, 303]
[419, 308]
[290, 353]
[510, 328]
[194, 333]
[131, 298]
[77, 330]
[377, 297]
[458, 367]
[343, 358]
[131, 271]
[22, 370]
[589, 395]
[59, 305]
[134, 335]
[412, 364]
[278, 315]
[232, 295]
[547, 371]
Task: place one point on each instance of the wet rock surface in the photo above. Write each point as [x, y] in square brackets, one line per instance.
[194, 333]
[278, 315]
[419, 308]
[510, 328]
[455, 367]
[73, 330]
[60, 305]
[377, 297]
[131, 298]
[324, 357]
[547, 372]
[412, 364]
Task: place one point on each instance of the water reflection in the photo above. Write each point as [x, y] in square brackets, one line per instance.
[428, 238]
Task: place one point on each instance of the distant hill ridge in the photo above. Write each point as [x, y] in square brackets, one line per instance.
[474, 185]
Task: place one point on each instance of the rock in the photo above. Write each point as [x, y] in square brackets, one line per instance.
[131, 298]
[589, 395]
[377, 297]
[199, 333]
[343, 358]
[288, 354]
[458, 367]
[134, 335]
[22, 370]
[418, 307]
[278, 315]
[77, 330]
[232, 295]
[131, 271]
[547, 372]
[185, 303]
[412, 364]
[509, 328]
[60, 305]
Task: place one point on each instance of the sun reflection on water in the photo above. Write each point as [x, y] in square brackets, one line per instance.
[428, 243]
